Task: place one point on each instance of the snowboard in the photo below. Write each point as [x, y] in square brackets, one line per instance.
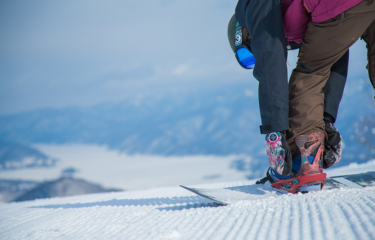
[231, 195]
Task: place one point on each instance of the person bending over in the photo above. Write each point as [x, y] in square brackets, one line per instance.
[260, 33]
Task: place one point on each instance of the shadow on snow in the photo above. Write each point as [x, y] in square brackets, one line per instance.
[179, 203]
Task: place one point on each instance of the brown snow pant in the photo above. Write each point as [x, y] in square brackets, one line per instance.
[323, 45]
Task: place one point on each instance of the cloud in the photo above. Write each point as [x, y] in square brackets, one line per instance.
[249, 93]
[181, 69]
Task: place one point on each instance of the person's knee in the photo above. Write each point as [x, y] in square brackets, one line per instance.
[303, 68]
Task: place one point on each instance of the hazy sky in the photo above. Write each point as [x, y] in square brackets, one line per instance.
[67, 52]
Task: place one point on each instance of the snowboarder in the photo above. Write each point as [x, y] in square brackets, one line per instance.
[334, 27]
[260, 33]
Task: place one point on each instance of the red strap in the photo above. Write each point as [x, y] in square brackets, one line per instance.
[279, 184]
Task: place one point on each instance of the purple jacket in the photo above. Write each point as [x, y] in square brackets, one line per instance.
[295, 20]
[296, 17]
[322, 10]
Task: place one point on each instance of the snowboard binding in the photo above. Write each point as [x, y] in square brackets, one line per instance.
[298, 184]
[307, 166]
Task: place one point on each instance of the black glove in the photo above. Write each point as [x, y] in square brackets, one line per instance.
[332, 146]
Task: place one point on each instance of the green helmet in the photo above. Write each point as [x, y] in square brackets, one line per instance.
[231, 31]
[240, 48]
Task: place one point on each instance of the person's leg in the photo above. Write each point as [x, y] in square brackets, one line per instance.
[324, 44]
[369, 37]
[334, 87]
[333, 91]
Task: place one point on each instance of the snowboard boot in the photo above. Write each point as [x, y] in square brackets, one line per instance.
[307, 171]
[278, 152]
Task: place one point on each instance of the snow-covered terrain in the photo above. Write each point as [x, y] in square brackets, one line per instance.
[112, 169]
[174, 213]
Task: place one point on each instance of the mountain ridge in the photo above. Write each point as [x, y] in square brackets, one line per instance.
[217, 122]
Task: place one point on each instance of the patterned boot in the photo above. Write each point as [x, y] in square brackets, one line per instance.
[307, 166]
[278, 153]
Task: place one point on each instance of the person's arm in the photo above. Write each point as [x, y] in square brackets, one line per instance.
[264, 22]
[263, 19]
[334, 88]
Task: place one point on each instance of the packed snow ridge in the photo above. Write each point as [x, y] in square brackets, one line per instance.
[174, 213]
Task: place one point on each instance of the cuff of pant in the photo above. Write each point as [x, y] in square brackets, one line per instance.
[264, 129]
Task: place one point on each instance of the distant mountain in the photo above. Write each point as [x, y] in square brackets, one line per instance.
[62, 187]
[15, 155]
[12, 189]
[216, 122]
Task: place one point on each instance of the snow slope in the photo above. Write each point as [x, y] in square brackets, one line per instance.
[174, 213]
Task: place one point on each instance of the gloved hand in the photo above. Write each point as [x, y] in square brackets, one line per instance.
[332, 146]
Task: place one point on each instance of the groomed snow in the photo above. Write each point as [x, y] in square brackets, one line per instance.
[174, 213]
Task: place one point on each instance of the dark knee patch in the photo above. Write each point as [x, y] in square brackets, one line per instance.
[306, 68]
